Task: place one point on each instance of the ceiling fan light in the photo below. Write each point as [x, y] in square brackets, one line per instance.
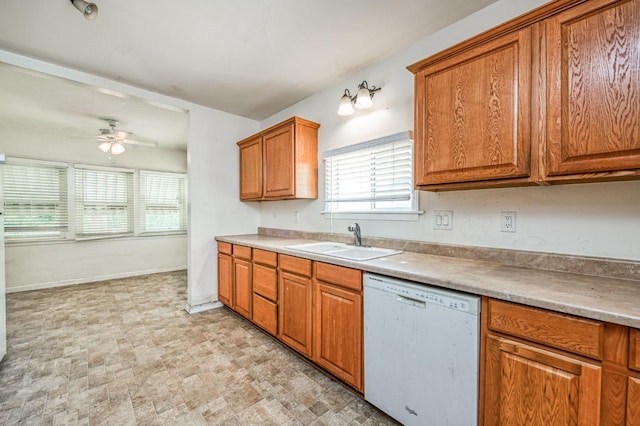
[117, 148]
[104, 146]
[345, 107]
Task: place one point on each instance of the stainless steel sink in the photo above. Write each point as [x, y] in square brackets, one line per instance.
[344, 251]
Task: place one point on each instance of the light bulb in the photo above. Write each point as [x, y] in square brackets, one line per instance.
[363, 98]
[346, 107]
[117, 148]
[104, 146]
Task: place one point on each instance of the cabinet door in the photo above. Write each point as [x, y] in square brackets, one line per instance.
[473, 114]
[251, 169]
[633, 402]
[594, 88]
[338, 332]
[242, 291]
[525, 385]
[225, 279]
[279, 158]
[294, 325]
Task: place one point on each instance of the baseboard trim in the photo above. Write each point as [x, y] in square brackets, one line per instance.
[41, 286]
[195, 309]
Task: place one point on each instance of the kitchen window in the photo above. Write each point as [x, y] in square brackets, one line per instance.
[104, 202]
[374, 177]
[163, 206]
[35, 200]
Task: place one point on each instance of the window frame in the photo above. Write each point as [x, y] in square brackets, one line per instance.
[410, 213]
[182, 209]
[63, 229]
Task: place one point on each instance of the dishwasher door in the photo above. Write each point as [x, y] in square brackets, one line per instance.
[421, 352]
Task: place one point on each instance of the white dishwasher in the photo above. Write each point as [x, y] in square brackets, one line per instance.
[421, 352]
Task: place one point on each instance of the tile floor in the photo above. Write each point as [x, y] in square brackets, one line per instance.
[124, 352]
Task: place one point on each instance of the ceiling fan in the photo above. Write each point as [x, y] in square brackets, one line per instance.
[112, 140]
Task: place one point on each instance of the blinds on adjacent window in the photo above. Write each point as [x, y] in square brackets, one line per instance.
[371, 176]
[35, 200]
[104, 202]
[163, 206]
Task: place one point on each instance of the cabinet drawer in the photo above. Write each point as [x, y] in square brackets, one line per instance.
[560, 331]
[224, 247]
[265, 314]
[265, 282]
[634, 349]
[295, 264]
[242, 252]
[345, 277]
[265, 257]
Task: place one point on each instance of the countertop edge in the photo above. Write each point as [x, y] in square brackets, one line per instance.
[599, 298]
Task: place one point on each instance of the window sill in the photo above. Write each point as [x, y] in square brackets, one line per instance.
[408, 216]
[73, 241]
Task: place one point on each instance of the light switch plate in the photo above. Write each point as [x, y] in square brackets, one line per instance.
[443, 219]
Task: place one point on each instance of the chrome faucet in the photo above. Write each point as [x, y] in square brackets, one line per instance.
[355, 228]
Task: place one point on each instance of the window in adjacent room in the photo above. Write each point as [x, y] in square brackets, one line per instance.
[35, 200]
[371, 177]
[163, 206]
[104, 202]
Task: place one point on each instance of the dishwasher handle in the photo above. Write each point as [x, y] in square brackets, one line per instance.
[411, 302]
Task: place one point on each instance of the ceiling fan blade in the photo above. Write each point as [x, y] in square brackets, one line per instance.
[149, 144]
[121, 134]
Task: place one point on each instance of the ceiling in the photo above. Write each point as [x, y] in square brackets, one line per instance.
[252, 58]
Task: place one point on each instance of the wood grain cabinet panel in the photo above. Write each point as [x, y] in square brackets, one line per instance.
[295, 311]
[634, 349]
[473, 114]
[280, 162]
[593, 121]
[573, 334]
[251, 169]
[265, 314]
[265, 281]
[338, 332]
[225, 279]
[633, 402]
[242, 291]
[525, 385]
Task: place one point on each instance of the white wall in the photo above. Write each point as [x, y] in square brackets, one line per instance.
[214, 206]
[597, 219]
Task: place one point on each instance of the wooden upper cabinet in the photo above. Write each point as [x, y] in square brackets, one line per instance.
[593, 122]
[251, 169]
[550, 97]
[473, 113]
[280, 162]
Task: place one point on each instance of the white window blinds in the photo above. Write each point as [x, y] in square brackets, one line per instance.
[35, 200]
[163, 206]
[104, 202]
[371, 176]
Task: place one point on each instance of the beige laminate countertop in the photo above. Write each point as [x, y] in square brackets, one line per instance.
[606, 299]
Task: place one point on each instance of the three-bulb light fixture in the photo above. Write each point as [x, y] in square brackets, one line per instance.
[112, 146]
[362, 100]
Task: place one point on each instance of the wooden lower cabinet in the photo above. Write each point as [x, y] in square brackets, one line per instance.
[295, 311]
[225, 279]
[242, 294]
[526, 385]
[337, 331]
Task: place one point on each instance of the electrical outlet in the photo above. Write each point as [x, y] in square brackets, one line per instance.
[443, 219]
[296, 217]
[507, 221]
